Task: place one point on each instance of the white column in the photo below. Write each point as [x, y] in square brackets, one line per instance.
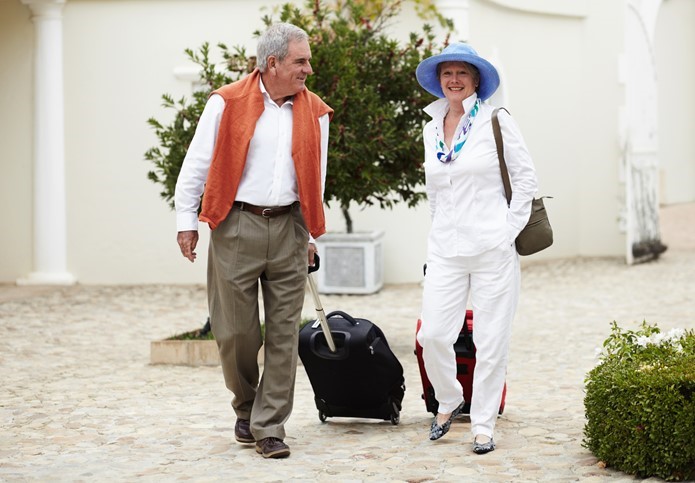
[50, 246]
[640, 131]
[457, 10]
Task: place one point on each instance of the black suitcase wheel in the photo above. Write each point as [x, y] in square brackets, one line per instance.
[395, 415]
[322, 416]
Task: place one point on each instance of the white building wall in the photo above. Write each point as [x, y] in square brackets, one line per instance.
[601, 195]
[675, 62]
[120, 57]
[542, 82]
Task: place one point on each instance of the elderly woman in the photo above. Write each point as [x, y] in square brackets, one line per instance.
[471, 249]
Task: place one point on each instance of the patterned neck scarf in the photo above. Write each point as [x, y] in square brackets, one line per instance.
[459, 141]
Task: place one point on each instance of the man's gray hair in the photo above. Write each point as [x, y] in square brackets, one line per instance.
[275, 41]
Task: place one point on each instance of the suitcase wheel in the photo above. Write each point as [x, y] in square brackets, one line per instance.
[322, 416]
[395, 415]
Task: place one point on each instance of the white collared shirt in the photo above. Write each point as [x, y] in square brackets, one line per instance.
[466, 196]
[269, 177]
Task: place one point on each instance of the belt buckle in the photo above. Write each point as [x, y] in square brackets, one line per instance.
[266, 213]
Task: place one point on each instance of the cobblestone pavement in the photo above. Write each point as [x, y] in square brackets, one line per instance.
[80, 401]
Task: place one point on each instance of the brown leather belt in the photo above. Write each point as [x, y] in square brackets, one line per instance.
[264, 211]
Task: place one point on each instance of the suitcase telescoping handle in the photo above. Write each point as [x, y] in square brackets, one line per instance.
[317, 303]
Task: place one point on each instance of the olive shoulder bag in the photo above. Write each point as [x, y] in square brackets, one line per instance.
[537, 235]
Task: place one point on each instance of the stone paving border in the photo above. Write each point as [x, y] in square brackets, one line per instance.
[80, 402]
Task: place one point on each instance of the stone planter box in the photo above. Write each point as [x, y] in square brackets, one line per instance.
[188, 353]
[184, 352]
[351, 263]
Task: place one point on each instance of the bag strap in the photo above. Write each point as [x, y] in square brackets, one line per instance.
[500, 153]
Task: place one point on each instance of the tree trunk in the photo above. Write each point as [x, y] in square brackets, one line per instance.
[348, 219]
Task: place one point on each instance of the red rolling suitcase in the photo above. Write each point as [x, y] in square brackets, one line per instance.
[465, 365]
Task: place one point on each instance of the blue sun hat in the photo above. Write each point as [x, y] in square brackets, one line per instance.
[426, 72]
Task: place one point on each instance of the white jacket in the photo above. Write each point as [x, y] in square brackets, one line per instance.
[466, 196]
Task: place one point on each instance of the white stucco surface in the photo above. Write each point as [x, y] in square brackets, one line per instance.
[562, 85]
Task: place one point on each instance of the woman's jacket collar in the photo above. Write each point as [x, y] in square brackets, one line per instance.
[439, 108]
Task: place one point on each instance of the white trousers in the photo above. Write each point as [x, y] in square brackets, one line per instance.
[492, 279]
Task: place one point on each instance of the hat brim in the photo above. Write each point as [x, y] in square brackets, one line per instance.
[426, 73]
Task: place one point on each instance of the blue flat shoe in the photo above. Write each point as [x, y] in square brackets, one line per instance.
[437, 431]
[482, 448]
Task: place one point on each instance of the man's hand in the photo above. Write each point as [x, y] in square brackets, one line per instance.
[312, 251]
[187, 241]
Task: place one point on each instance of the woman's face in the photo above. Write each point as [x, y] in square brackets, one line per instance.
[457, 80]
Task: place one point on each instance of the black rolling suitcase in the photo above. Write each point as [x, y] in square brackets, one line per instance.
[350, 366]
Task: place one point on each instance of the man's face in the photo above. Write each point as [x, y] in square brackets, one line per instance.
[292, 71]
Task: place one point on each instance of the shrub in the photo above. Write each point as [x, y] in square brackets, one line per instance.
[640, 403]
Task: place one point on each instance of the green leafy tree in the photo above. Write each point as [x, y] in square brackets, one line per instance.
[375, 148]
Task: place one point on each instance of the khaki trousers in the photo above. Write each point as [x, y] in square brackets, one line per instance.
[245, 250]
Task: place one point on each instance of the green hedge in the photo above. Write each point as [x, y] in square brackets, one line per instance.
[640, 403]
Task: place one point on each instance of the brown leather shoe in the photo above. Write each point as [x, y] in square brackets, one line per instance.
[272, 448]
[242, 431]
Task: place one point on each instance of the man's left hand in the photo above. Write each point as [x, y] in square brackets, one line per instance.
[312, 251]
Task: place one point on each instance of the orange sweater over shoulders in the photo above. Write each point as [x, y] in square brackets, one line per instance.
[243, 107]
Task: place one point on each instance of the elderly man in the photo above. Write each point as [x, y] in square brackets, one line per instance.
[259, 152]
